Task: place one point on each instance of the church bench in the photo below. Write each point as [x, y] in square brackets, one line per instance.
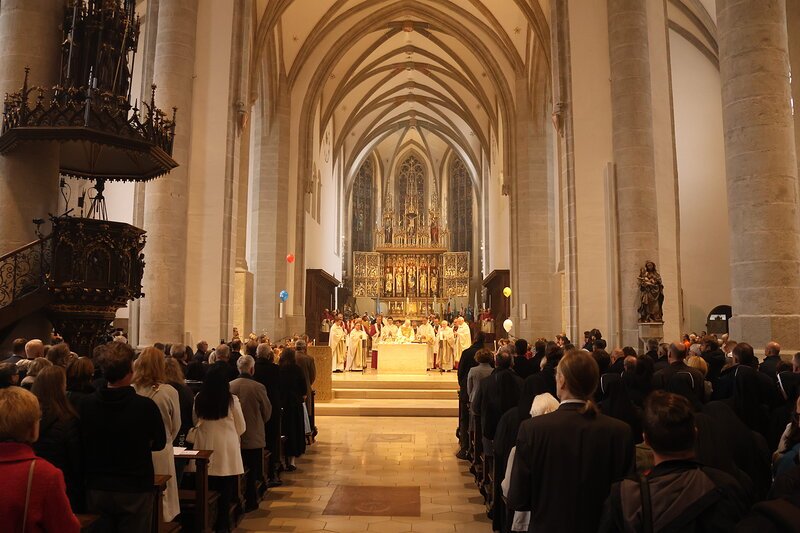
[196, 503]
[159, 526]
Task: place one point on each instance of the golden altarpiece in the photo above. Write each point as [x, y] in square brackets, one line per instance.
[412, 271]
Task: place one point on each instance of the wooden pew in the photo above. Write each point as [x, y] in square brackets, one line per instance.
[159, 526]
[199, 499]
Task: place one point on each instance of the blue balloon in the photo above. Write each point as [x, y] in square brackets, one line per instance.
[284, 295]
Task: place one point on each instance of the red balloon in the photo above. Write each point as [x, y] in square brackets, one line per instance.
[290, 258]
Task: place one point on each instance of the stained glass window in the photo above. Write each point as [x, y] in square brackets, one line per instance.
[363, 224]
[411, 170]
[460, 207]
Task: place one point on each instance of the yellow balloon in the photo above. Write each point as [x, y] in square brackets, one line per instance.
[507, 292]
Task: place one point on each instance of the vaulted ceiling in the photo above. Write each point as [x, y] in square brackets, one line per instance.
[441, 74]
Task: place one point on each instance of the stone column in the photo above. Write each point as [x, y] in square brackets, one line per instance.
[761, 167]
[30, 36]
[270, 231]
[793, 26]
[243, 278]
[633, 153]
[166, 199]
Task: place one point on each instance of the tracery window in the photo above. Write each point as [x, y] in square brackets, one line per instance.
[362, 226]
[459, 204]
[411, 170]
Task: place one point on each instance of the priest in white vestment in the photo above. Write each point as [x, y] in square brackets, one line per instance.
[427, 336]
[447, 344]
[389, 333]
[463, 337]
[338, 343]
[355, 356]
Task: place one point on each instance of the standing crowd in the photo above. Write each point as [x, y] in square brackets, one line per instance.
[88, 434]
[697, 435]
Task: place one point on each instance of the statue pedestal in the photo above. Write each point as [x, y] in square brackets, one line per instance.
[650, 330]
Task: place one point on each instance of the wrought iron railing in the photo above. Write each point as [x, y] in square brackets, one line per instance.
[25, 270]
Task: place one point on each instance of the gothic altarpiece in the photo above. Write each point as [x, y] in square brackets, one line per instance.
[412, 269]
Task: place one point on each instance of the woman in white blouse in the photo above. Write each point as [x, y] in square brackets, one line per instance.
[149, 379]
[219, 422]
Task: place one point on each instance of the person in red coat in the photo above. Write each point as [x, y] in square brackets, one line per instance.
[29, 483]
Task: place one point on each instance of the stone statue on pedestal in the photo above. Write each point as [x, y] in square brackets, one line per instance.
[651, 293]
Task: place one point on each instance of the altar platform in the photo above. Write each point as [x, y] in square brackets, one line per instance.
[370, 393]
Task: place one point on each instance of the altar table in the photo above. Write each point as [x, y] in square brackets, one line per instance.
[402, 358]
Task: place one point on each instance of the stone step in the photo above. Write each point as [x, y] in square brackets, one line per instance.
[400, 394]
[387, 407]
[422, 382]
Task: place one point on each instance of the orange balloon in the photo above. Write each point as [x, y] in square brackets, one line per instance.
[290, 258]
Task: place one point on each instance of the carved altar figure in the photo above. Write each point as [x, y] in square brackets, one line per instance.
[399, 282]
[434, 283]
[389, 281]
[434, 229]
[423, 283]
[651, 291]
[412, 280]
[387, 230]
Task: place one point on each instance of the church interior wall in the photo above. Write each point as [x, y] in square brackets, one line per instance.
[704, 229]
[499, 215]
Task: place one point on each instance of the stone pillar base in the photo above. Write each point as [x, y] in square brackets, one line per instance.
[243, 301]
[758, 330]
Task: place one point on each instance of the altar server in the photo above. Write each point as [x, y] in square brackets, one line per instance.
[463, 337]
[338, 343]
[426, 335]
[375, 331]
[447, 344]
[355, 356]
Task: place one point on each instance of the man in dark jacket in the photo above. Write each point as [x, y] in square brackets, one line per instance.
[681, 378]
[309, 368]
[267, 373]
[683, 494]
[222, 356]
[119, 432]
[772, 356]
[714, 358]
[466, 363]
[256, 410]
[567, 460]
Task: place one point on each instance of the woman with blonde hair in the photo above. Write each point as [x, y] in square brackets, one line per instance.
[696, 361]
[150, 380]
[32, 495]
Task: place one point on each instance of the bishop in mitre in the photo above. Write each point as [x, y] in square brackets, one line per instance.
[463, 337]
[447, 345]
[355, 356]
[338, 343]
[406, 333]
[427, 336]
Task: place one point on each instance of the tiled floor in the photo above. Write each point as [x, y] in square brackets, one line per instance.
[376, 452]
